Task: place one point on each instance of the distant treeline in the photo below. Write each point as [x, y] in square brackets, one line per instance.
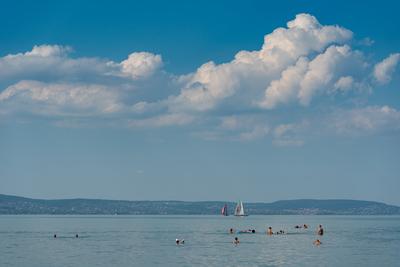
[21, 205]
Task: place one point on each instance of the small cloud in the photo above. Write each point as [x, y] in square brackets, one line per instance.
[366, 41]
[256, 133]
[287, 142]
[286, 134]
[344, 83]
[367, 120]
[161, 121]
[383, 70]
[141, 65]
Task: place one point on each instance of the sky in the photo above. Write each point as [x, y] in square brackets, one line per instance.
[200, 100]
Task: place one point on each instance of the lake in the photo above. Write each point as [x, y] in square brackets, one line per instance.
[150, 241]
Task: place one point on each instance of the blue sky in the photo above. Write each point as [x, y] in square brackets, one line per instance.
[200, 101]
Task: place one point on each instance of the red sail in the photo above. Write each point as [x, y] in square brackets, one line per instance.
[224, 210]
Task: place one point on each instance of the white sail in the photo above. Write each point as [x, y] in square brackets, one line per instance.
[239, 210]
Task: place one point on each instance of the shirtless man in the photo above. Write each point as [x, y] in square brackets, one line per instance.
[269, 231]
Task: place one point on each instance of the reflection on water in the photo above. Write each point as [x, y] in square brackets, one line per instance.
[150, 240]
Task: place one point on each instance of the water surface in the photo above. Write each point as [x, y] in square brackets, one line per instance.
[150, 241]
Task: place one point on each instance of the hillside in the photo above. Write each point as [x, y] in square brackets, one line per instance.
[21, 205]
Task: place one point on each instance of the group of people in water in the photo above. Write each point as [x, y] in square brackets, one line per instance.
[317, 242]
[55, 235]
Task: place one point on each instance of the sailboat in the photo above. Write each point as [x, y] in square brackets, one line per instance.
[224, 210]
[239, 210]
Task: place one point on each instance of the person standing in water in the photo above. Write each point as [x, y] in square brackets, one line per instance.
[269, 231]
[320, 230]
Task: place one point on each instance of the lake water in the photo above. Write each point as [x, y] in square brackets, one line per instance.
[150, 241]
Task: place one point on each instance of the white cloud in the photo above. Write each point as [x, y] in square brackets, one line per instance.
[296, 66]
[251, 72]
[287, 87]
[61, 99]
[141, 65]
[161, 121]
[230, 123]
[288, 142]
[53, 62]
[48, 51]
[383, 70]
[287, 134]
[257, 132]
[302, 81]
[344, 83]
[50, 62]
[366, 120]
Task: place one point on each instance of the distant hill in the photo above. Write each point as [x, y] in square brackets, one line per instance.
[21, 205]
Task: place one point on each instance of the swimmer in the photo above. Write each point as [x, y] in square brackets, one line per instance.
[253, 231]
[320, 230]
[269, 231]
[55, 236]
[317, 242]
[183, 241]
[305, 226]
[236, 241]
[231, 231]
[177, 241]
[76, 236]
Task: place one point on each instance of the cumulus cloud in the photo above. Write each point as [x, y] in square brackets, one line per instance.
[48, 51]
[302, 81]
[296, 66]
[141, 65]
[251, 72]
[383, 70]
[49, 62]
[54, 62]
[61, 99]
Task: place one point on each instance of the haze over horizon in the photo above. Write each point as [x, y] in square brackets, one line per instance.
[187, 101]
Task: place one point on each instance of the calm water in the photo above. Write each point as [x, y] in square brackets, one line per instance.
[150, 241]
